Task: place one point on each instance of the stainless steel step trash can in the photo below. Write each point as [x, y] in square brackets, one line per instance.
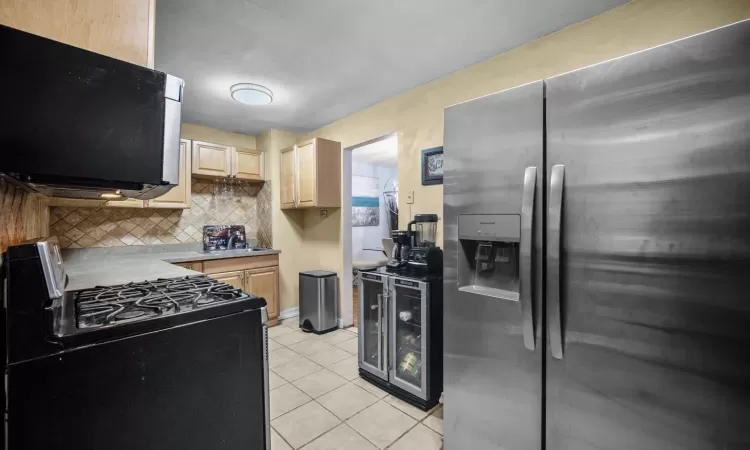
[318, 301]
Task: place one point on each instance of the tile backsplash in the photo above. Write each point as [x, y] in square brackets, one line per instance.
[115, 227]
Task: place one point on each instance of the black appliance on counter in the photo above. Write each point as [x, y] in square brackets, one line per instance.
[418, 252]
[224, 237]
[177, 363]
[400, 253]
[401, 334]
[79, 124]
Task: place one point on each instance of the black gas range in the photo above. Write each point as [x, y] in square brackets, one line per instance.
[181, 362]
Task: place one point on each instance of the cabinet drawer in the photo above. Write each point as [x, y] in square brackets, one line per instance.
[235, 279]
[197, 265]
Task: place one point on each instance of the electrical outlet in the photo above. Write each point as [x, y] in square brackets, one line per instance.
[410, 197]
[323, 213]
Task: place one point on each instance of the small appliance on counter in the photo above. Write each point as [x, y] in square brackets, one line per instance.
[417, 250]
[174, 363]
[224, 237]
[400, 251]
[424, 255]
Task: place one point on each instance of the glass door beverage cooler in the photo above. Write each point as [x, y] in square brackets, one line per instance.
[400, 336]
[373, 322]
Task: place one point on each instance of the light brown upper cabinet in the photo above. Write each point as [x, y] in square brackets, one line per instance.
[311, 175]
[216, 160]
[211, 160]
[122, 29]
[288, 177]
[178, 196]
[247, 164]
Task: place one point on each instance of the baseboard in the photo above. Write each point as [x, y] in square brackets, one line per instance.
[289, 313]
[294, 312]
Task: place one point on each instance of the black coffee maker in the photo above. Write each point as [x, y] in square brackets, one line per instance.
[400, 253]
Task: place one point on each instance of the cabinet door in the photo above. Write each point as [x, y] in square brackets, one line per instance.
[288, 178]
[247, 164]
[236, 279]
[306, 175]
[178, 196]
[121, 29]
[211, 159]
[265, 283]
[408, 337]
[373, 324]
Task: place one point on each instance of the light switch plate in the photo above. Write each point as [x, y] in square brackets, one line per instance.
[410, 197]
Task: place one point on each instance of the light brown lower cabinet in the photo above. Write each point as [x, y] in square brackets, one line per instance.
[197, 265]
[265, 283]
[257, 275]
[236, 279]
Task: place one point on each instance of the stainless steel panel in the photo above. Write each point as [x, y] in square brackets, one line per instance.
[52, 266]
[373, 289]
[492, 384]
[655, 249]
[318, 305]
[396, 347]
[171, 152]
[490, 227]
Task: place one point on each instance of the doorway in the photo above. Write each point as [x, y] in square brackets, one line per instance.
[370, 209]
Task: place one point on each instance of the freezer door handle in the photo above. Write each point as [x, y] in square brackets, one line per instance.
[526, 294]
[554, 287]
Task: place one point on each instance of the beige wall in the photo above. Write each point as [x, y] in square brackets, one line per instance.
[216, 136]
[287, 226]
[417, 115]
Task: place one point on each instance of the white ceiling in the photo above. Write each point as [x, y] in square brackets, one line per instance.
[325, 59]
[380, 153]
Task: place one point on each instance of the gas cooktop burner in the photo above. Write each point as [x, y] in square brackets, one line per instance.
[108, 305]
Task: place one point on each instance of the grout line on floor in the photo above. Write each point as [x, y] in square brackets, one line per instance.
[282, 437]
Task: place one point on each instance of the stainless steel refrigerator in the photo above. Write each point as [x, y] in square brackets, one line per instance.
[597, 256]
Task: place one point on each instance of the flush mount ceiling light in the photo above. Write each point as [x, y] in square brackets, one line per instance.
[251, 94]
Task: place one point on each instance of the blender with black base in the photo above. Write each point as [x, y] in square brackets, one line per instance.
[424, 255]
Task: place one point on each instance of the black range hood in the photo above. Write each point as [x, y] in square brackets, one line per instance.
[74, 123]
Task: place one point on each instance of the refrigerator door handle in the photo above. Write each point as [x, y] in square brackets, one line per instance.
[554, 234]
[526, 294]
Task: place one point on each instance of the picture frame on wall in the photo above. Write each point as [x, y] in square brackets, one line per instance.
[432, 166]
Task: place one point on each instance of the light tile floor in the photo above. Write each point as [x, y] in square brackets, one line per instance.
[319, 402]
